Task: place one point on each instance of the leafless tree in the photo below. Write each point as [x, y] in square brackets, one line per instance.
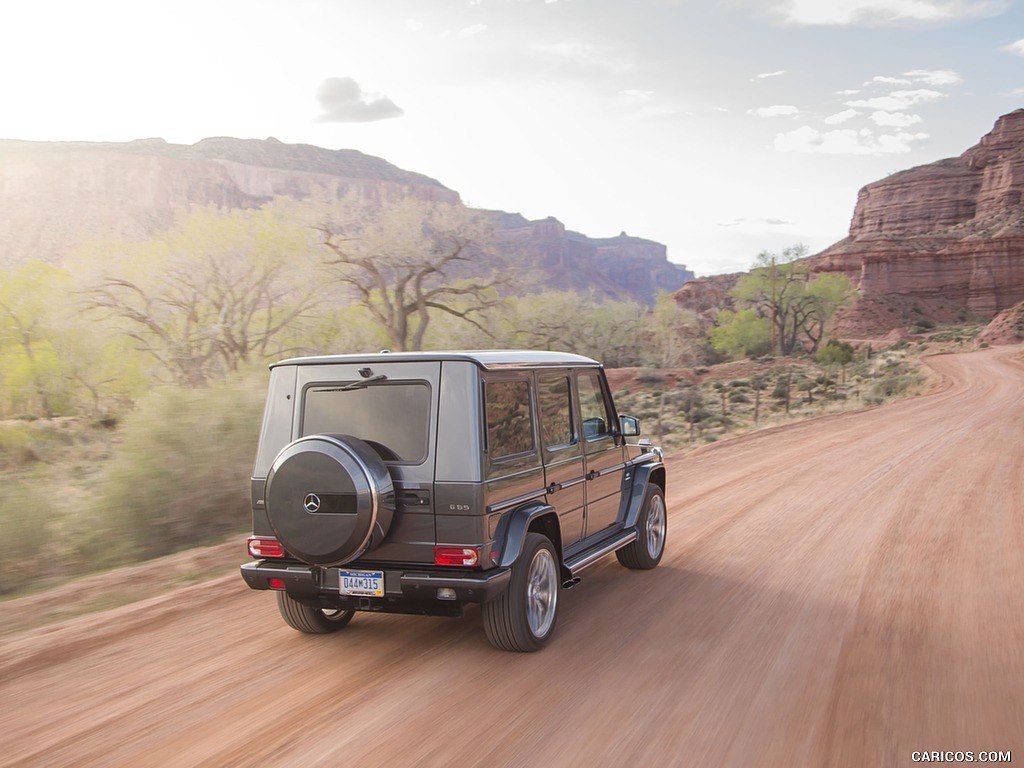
[411, 259]
[217, 295]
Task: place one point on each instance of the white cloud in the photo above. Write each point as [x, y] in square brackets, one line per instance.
[808, 139]
[882, 12]
[935, 76]
[888, 80]
[898, 101]
[845, 141]
[841, 117]
[765, 75]
[894, 119]
[777, 110]
[899, 142]
[342, 100]
[637, 94]
[476, 29]
[1015, 48]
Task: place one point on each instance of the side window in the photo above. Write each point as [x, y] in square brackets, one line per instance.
[553, 392]
[507, 411]
[593, 407]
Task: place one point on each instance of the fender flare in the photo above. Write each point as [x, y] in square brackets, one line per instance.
[643, 475]
[512, 530]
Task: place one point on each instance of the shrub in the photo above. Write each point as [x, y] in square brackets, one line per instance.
[650, 376]
[698, 415]
[893, 385]
[24, 509]
[16, 446]
[181, 476]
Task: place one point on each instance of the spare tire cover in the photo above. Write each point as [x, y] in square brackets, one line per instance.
[329, 498]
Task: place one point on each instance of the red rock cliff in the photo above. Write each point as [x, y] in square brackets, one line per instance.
[943, 242]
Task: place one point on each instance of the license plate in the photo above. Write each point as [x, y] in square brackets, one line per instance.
[361, 583]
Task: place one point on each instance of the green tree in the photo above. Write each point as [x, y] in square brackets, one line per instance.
[835, 352]
[741, 334]
[798, 302]
[606, 329]
[671, 333]
[32, 300]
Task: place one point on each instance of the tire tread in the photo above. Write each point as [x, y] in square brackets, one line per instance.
[307, 619]
[504, 619]
[634, 555]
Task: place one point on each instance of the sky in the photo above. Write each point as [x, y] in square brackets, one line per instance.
[720, 129]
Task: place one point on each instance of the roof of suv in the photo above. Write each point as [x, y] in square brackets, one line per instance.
[489, 358]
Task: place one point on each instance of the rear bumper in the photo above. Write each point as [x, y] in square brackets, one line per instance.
[400, 585]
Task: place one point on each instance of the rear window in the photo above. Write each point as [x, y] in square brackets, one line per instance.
[509, 426]
[392, 417]
[555, 410]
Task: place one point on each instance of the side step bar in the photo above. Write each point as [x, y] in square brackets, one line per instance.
[577, 563]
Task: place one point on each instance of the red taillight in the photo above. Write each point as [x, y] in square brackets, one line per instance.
[265, 546]
[456, 556]
[275, 583]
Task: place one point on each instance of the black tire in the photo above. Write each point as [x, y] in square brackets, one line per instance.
[312, 621]
[523, 617]
[645, 553]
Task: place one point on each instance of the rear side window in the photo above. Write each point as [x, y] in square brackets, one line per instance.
[393, 418]
[507, 412]
[553, 393]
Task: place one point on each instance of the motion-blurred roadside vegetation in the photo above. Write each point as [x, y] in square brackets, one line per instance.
[132, 376]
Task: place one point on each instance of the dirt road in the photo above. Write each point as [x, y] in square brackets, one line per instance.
[842, 592]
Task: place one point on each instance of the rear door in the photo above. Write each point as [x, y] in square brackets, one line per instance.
[603, 453]
[563, 452]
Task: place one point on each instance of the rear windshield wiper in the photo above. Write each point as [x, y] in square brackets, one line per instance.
[354, 385]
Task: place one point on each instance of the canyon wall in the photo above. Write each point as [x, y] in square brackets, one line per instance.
[942, 242]
[614, 267]
[55, 196]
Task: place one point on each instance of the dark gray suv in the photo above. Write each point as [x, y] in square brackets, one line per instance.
[420, 482]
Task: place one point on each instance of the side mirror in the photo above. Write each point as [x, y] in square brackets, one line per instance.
[629, 426]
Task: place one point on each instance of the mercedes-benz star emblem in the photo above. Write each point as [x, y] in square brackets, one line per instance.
[311, 502]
